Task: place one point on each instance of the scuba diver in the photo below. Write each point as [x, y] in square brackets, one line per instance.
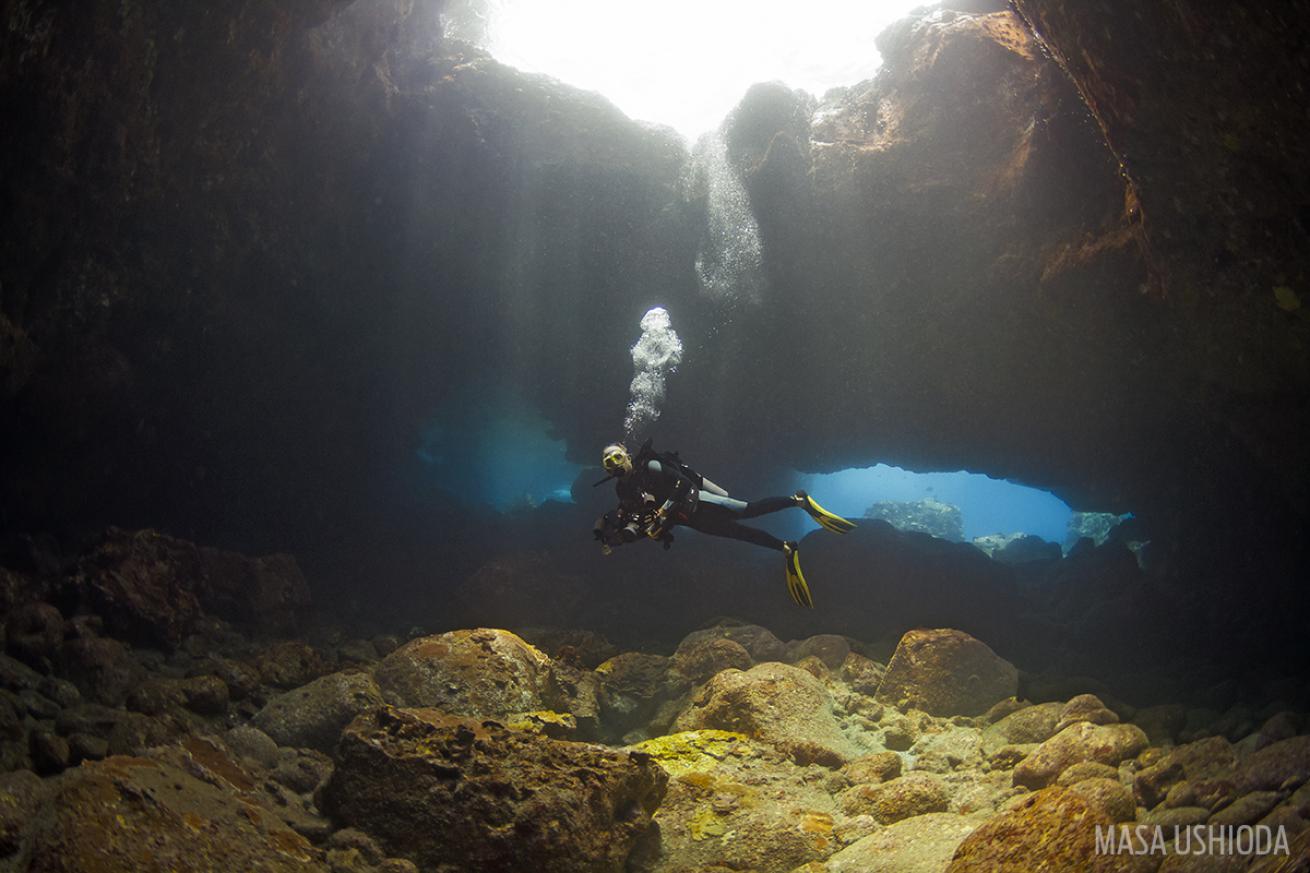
[657, 492]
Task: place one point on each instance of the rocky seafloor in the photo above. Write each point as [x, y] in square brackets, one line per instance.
[165, 706]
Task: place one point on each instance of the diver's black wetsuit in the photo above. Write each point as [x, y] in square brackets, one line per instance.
[696, 503]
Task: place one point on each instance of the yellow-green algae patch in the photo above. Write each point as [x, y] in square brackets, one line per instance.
[706, 823]
[695, 751]
[556, 725]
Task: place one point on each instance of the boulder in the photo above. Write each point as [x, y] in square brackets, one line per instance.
[1245, 810]
[1105, 744]
[632, 689]
[1053, 829]
[1034, 724]
[103, 670]
[861, 673]
[206, 695]
[1025, 549]
[831, 649]
[878, 767]
[128, 813]
[253, 744]
[1203, 763]
[1108, 795]
[922, 844]
[484, 672]
[1285, 763]
[732, 805]
[585, 648]
[1086, 770]
[143, 584]
[759, 642]
[313, 715]
[1162, 723]
[289, 664]
[152, 589]
[954, 748]
[946, 672]
[17, 676]
[33, 632]
[906, 796]
[776, 704]
[301, 770]
[453, 793]
[267, 594]
[1085, 707]
[699, 658]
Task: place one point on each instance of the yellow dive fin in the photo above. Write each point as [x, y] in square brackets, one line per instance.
[796, 587]
[828, 520]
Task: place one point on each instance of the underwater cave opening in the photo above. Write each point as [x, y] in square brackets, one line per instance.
[494, 449]
[688, 66]
[961, 506]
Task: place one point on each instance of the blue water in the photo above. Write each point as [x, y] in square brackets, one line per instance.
[497, 451]
[987, 505]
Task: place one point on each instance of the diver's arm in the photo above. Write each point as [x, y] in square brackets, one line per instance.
[682, 487]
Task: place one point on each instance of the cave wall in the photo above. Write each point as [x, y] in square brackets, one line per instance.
[248, 253]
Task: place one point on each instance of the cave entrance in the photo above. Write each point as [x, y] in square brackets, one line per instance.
[688, 65]
[960, 506]
[496, 450]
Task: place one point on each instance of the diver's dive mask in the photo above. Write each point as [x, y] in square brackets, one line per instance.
[616, 460]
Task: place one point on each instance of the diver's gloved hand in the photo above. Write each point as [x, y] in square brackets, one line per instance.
[655, 530]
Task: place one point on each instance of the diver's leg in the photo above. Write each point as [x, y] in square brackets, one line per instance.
[767, 505]
[721, 521]
[742, 509]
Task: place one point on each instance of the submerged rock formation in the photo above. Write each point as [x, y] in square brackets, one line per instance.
[946, 672]
[739, 751]
[459, 794]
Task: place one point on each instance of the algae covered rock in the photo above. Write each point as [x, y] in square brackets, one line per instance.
[1105, 744]
[442, 790]
[126, 814]
[780, 705]
[313, 715]
[734, 806]
[468, 672]
[694, 751]
[1053, 829]
[946, 672]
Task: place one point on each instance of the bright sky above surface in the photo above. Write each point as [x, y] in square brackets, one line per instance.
[686, 63]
